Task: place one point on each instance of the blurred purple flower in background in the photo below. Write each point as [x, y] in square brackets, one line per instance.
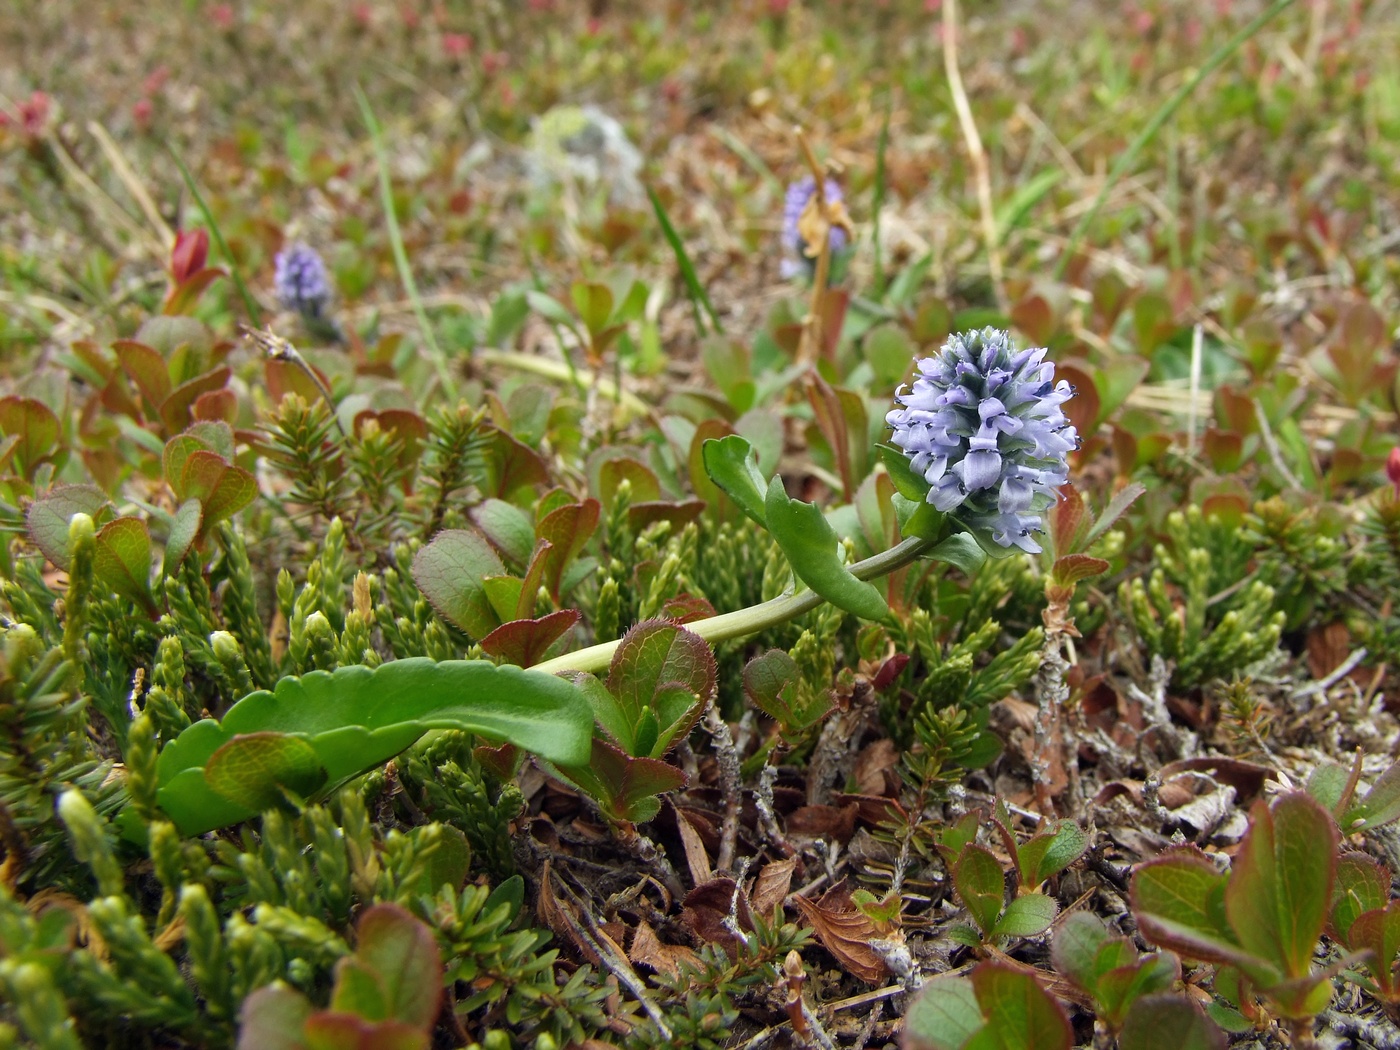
[300, 281]
[796, 259]
[983, 425]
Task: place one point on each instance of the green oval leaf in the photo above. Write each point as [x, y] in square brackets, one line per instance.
[977, 878]
[811, 545]
[449, 571]
[122, 560]
[1027, 916]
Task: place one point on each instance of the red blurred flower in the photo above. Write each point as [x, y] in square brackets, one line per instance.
[142, 112]
[456, 45]
[363, 15]
[156, 80]
[34, 114]
[188, 256]
[222, 16]
[1392, 469]
[493, 62]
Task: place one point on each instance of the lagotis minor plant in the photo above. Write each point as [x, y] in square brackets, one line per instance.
[798, 247]
[984, 426]
[299, 278]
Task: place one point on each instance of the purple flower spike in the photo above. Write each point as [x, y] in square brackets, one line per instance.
[983, 425]
[795, 247]
[299, 278]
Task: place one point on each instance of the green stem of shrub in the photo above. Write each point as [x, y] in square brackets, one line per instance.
[755, 618]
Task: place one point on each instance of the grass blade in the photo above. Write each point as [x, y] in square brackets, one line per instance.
[1129, 156]
[698, 297]
[879, 202]
[250, 305]
[391, 221]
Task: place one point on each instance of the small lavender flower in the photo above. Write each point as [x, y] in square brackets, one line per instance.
[795, 247]
[299, 278]
[984, 427]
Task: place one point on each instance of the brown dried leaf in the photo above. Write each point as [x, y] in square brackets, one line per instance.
[647, 950]
[846, 934]
[1247, 778]
[771, 887]
[696, 858]
[873, 766]
[706, 910]
[823, 822]
[560, 918]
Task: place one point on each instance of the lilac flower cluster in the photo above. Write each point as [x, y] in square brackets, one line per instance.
[799, 194]
[983, 425]
[299, 278]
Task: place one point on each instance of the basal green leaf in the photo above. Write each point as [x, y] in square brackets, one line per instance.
[358, 990]
[626, 788]
[1280, 885]
[1328, 783]
[1019, 1012]
[1169, 1022]
[811, 547]
[1378, 932]
[944, 1016]
[1028, 915]
[356, 718]
[567, 528]
[1119, 986]
[449, 571]
[732, 464]
[978, 879]
[252, 768]
[594, 303]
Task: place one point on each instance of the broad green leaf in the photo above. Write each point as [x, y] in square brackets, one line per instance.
[1178, 901]
[1378, 932]
[404, 953]
[223, 490]
[184, 530]
[910, 485]
[1028, 915]
[145, 367]
[1019, 1012]
[1280, 885]
[732, 464]
[331, 1030]
[177, 452]
[272, 1018]
[358, 990]
[625, 788]
[504, 594]
[944, 1016]
[508, 314]
[594, 303]
[48, 517]
[567, 528]
[1050, 852]
[507, 527]
[1076, 946]
[1362, 885]
[1328, 783]
[665, 668]
[978, 879]
[1380, 806]
[1169, 1022]
[252, 768]
[640, 478]
[36, 427]
[449, 571]
[356, 718]
[175, 411]
[811, 547]
[1119, 986]
[889, 352]
[962, 550]
[122, 560]
[551, 309]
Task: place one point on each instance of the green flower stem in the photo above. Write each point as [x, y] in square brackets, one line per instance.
[755, 618]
